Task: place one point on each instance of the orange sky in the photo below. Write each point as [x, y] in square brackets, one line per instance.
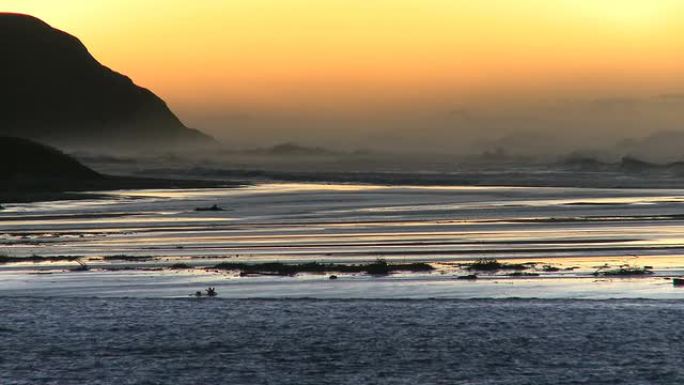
[340, 57]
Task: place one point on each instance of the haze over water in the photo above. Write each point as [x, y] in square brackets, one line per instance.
[531, 77]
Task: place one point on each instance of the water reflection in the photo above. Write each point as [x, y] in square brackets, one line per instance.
[322, 221]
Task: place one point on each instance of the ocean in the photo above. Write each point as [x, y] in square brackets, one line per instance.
[307, 341]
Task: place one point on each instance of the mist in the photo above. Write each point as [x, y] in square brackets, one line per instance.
[529, 78]
[605, 127]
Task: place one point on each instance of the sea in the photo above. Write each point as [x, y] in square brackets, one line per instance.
[131, 319]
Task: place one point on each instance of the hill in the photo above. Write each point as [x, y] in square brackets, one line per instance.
[54, 91]
[22, 159]
[32, 171]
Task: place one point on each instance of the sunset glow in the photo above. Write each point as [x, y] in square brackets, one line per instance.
[344, 59]
[341, 192]
[306, 47]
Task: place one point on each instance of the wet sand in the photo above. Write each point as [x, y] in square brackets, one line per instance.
[337, 223]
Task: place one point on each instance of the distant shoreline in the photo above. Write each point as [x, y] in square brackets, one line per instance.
[498, 178]
[52, 190]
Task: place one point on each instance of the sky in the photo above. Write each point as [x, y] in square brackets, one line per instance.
[422, 75]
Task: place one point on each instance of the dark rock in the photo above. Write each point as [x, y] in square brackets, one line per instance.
[210, 208]
[467, 277]
[180, 266]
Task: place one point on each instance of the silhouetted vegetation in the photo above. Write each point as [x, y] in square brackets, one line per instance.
[379, 267]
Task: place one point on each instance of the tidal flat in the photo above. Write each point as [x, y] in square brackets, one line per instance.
[285, 240]
[439, 285]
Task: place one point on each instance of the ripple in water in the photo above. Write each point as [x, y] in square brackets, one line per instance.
[153, 341]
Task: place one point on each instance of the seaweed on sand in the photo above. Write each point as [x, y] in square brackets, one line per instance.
[82, 266]
[491, 264]
[623, 271]
[379, 267]
[180, 266]
[37, 259]
[129, 258]
[522, 274]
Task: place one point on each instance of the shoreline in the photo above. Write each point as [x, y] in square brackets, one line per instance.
[542, 177]
[153, 243]
[175, 285]
[94, 189]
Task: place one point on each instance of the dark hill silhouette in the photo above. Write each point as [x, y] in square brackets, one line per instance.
[22, 158]
[32, 171]
[54, 91]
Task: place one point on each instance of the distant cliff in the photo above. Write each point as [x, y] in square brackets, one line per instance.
[54, 91]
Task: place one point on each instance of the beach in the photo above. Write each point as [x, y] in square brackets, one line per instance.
[522, 285]
[131, 239]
